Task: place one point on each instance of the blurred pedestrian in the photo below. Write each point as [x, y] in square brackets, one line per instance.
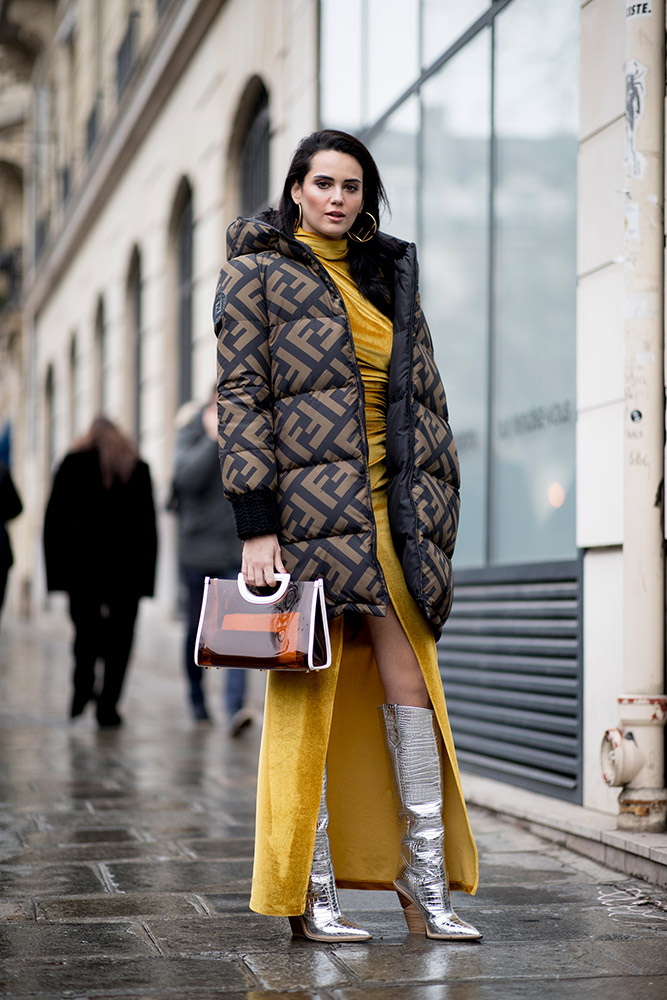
[339, 461]
[100, 544]
[207, 546]
[10, 507]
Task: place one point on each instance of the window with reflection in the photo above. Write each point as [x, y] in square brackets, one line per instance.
[342, 77]
[533, 444]
[184, 292]
[255, 159]
[134, 342]
[391, 52]
[395, 150]
[454, 259]
[74, 393]
[101, 359]
[50, 438]
[443, 21]
[479, 161]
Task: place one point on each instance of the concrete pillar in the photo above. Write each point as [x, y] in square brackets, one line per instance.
[643, 708]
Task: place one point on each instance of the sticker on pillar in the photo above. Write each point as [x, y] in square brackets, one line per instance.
[635, 94]
[639, 9]
[631, 231]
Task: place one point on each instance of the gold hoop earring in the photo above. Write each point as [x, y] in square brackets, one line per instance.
[366, 234]
[299, 218]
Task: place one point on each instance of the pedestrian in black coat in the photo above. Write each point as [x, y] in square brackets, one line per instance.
[207, 546]
[10, 507]
[100, 544]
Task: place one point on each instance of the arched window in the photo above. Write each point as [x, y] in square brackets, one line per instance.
[133, 353]
[254, 160]
[101, 390]
[248, 168]
[181, 240]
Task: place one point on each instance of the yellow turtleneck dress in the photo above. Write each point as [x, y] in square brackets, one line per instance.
[331, 716]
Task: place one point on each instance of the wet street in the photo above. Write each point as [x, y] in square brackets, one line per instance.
[126, 862]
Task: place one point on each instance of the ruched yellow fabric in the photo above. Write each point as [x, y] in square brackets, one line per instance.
[332, 716]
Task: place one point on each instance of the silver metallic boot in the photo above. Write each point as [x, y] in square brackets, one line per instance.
[322, 920]
[414, 744]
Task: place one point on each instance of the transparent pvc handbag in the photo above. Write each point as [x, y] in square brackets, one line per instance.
[284, 630]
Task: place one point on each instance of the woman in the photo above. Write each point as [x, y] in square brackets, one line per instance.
[339, 462]
[100, 545]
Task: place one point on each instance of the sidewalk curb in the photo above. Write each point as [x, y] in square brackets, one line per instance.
[586, 831]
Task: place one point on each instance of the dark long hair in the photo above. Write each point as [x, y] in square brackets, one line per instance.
[371, 263]
[117, 454]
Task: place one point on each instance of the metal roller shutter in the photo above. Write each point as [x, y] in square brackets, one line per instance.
[511, 663]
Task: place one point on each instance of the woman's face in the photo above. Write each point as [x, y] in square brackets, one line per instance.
[331, 195]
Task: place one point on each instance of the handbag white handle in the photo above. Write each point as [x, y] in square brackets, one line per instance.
[247, 595]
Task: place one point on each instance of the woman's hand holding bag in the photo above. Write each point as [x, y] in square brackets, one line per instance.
[260, 561]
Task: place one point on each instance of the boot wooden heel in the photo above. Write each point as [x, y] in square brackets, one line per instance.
[296, 923]
[413, 917]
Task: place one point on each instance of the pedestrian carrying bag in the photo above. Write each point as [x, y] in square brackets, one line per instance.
[285, 630]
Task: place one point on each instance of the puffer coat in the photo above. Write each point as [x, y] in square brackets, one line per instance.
[292, 438]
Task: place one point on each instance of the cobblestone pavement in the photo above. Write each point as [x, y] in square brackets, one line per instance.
[126, 858]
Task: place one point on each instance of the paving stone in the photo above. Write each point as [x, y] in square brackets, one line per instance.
[180, 876]
[52, 880]
[420, 960]
[219, 935]
[641, 988]
[227, 902]
[498, 841]
[384, 925]
[82, 835]
[71, 790]
[544, 863]
[105, 852]
[560, 923]
[117, 906]
[230, 847]
[30, 940]
[510, 872]
[553, 893]
[133, 805]
[313, 969]
[210, 994]
[93, 977]
[46, 821]
[16, 911]
[639, 957]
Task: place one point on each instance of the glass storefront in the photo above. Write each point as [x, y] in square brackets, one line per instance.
[478, 151]
[454, 256]
[533, 387]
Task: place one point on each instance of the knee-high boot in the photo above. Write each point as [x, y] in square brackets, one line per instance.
[322, 920]
[415, 749]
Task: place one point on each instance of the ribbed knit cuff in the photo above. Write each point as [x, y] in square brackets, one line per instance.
[256, 514]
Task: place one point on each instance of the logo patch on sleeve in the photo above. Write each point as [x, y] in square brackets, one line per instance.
[219, 304]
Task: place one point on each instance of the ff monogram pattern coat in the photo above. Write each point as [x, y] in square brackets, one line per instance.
[292, 438]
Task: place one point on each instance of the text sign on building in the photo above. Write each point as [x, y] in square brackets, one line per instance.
[639, 9]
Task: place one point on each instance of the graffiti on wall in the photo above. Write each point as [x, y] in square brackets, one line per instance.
[635, 96]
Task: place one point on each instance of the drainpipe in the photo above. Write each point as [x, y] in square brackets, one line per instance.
[643, 708]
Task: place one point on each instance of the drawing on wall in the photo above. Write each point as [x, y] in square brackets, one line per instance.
[635, 95]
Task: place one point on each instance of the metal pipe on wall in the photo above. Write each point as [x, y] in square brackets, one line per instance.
[643, 708]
